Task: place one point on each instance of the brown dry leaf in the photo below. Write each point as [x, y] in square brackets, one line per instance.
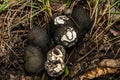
[97, 72]
[110, 63]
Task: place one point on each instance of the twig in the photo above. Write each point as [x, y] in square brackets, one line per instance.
[70, 55]
[86, 55]
[10, 48]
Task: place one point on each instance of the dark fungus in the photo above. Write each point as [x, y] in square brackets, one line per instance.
[38, 36]
[82, 19]
[34, 59]
[64, 31]
[55, 61]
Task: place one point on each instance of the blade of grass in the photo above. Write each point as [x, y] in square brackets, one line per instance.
[109, 7]
[68, 3]
[67, 71]
[110, 23]
[96, 17]
[94, 10]
[4, 5]
[117, 37]
[31, 11]
[43, 2]
[106, 29]
[48, 7]
[23, 20]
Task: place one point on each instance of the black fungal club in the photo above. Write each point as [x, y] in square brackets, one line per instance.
[82, 19]
[64, 31]
[38, 36]
[34, 59]
[55, 61]
[35, 52]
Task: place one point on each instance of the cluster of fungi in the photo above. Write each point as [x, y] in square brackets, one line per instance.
[47, 48]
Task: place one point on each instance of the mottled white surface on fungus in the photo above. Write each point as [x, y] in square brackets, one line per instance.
[56, 54]
[70, 35]
[59, 67]
[60, 19]
[55, 61]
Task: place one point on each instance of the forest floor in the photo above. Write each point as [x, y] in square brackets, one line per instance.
[102, 41]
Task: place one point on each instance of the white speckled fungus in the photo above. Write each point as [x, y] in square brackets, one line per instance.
[60, 19]
[55, 61]
[70, 35]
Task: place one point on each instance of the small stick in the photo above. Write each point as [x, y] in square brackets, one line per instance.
[85, 55]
